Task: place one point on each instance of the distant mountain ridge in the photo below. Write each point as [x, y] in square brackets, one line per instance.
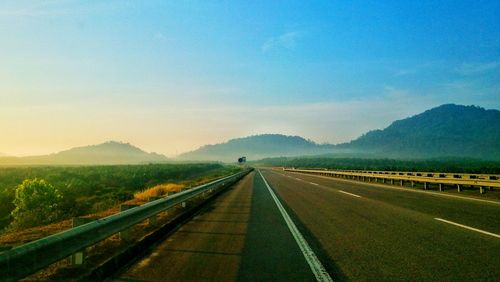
[111, 152]
[446, 131]
[257, 147]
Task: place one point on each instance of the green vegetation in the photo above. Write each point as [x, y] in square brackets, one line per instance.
[89, 189]
[37, 202]
[440, 165]
[445, 131]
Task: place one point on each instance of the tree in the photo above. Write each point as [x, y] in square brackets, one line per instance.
[37, 203]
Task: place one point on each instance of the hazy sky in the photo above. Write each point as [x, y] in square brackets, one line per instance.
[169, 76]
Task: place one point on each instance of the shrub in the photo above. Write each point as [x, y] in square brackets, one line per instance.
[36, 203]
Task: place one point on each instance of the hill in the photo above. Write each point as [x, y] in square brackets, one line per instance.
[107, 153]
[445, 131]
[257, 147]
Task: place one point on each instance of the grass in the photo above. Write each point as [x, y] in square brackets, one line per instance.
[11, 238]
[158, 191]
[93, 189]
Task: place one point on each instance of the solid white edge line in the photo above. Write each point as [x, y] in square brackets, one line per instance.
[467, 227]
[317, 268]
[351, 194]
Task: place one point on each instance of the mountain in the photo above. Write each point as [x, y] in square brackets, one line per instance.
[257, 147]
[446, 131]
[107, 153]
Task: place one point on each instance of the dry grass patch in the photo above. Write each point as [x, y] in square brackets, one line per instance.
[158, 191]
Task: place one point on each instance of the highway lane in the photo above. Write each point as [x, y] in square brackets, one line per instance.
[239, 236]
[484, 214]
[373, 233]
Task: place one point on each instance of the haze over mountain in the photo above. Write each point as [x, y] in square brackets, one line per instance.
[257, 147]
[106, 153]
[445, 131]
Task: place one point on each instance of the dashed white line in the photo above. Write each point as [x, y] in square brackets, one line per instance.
[317, 268]
[468, 227]
[351, 194]
[314, 183]
[439, 194]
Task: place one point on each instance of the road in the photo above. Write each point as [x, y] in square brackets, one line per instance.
[357, 231]
[240, 236]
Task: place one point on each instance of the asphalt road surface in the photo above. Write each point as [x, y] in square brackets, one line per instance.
[240, 236]
[378, 232]
[356, 231]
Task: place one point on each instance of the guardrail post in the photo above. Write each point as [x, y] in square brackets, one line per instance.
[153, 221]
[412, 183]
[392, 181]
[425, 185]
[167, 195]
[183, 204]
[78, 258]
[126, 234]
[31, 257]
[459, 189]
[402, 182]
[481, 190]
[441, 187]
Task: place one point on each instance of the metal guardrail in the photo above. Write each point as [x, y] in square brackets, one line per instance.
[26, 259]
[430, 174]
[413, 177]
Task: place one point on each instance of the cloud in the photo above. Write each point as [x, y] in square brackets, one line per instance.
[392, 92]
[476, 68]
[286, 40]
[405, 72]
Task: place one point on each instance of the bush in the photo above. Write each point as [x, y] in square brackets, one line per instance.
[36, 203]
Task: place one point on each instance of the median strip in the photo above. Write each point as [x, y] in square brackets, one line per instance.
[317, 268]
[350, 194]
[468, 227]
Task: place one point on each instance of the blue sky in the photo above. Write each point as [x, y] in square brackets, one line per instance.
[170, 76]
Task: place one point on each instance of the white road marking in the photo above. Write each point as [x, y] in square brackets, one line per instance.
[313, 183]
[351, 194]
[317, 268]
[441, 194]
[468, 227]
